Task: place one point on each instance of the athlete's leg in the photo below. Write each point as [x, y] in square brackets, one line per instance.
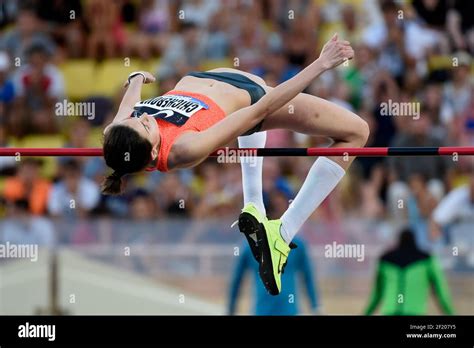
[252, 171]
[315, 116]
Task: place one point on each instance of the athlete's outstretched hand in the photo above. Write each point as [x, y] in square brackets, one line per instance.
[335, 52]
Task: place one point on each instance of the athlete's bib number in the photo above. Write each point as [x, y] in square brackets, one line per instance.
[176, 109]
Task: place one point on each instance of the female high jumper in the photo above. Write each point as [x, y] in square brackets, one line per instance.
[207, 110]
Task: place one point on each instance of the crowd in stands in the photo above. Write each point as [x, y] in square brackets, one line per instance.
[417, 51]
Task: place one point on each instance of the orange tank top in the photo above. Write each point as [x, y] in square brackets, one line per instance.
[177, 112]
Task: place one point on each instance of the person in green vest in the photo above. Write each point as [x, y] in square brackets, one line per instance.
[404, 278]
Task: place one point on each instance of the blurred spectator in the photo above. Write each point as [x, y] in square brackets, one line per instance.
[288, 301]
[359, 197]
[278, 201]
[106, 32]
[428, 31]
[199, 11]
[383, 89]
[184, 52]
[153, 28]
[7, 91]
[274, 180]
[218, 46]
[27, 32]
[456, 207]
[432, 12]
[20, 227]
[461, 26]
[248, 40]
[38, 85]
[28, 185]
[143, 207]
[464, 126]
[153, 16]
[349, 18]
[420, 271]
[276, 68]
[359, 75]
[173, 196]
[215, 200]
[392, 48]
[434, 168]
[79, 136]
[9, 11]
[432, 99]
[457, 92]
[64, 22]
[298, 9]
[300, 42]
[73, 194]
[420, 205]
[5, 162]
[6, 98]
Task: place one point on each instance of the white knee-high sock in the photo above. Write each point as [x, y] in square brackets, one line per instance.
[252, 171]
[322, 178]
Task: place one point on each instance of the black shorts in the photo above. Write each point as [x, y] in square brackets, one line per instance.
[240, 81]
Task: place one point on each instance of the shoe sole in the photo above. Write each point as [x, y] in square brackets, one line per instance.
[249, 225]
[266, 265]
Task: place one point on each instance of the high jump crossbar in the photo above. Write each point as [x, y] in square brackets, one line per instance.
[265, 152]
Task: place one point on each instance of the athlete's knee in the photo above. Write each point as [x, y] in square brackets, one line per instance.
[361, 132]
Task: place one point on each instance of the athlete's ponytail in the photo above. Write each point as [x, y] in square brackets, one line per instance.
[113, 184]
[125, 151]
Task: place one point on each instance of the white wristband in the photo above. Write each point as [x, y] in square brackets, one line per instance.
[136, 73]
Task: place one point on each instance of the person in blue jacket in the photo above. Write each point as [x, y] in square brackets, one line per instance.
[288, 301]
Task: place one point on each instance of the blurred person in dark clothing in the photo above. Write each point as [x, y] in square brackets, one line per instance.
[460, 25]
[64, 22]
[404, 277]
[174, 197]
[277, 65]
[299, 264]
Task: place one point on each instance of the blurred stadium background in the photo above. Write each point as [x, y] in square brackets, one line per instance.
[166, 246]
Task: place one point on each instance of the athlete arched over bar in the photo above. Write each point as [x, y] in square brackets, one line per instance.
[207, 110]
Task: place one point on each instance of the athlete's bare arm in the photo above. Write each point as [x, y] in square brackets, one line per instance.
[131, 96]
[194, 147]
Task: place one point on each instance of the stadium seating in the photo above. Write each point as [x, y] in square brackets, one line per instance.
[85, 78]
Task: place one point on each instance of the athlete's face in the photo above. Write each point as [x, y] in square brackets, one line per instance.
[147, 127]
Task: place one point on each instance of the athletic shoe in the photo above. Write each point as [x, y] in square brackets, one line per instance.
[275, 253]
[250, 221]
